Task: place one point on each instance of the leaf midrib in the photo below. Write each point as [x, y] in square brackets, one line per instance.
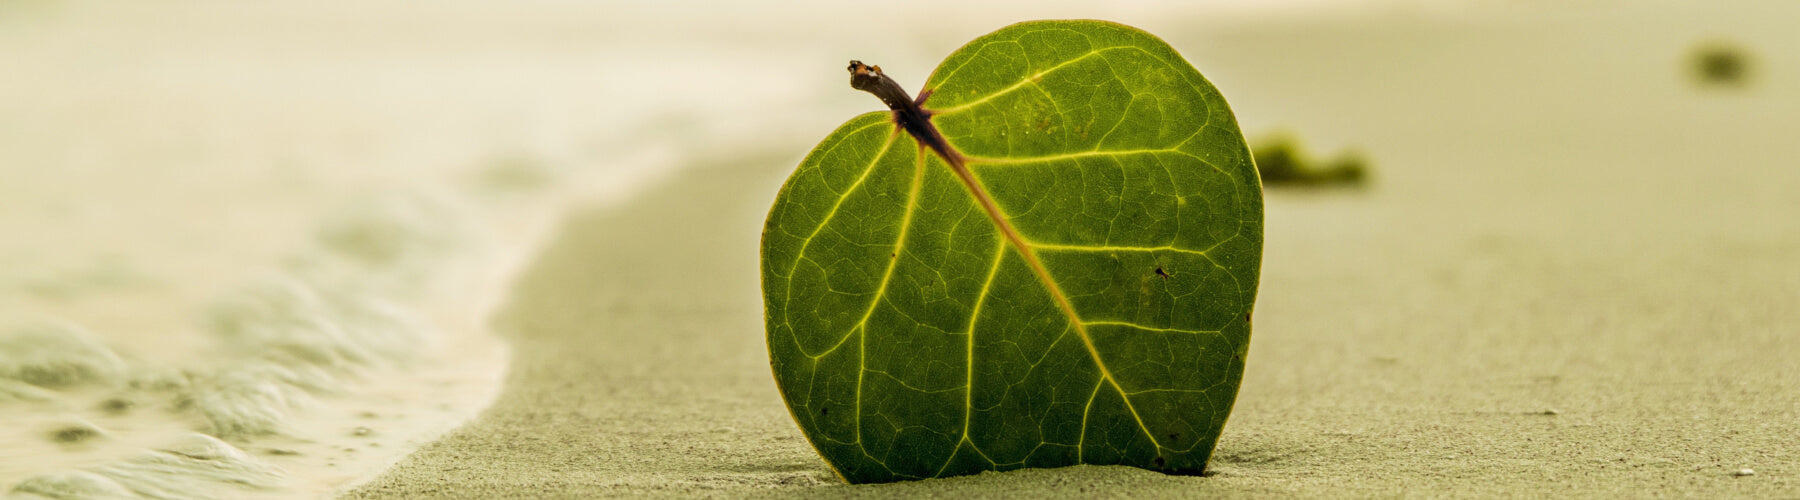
[955, 160]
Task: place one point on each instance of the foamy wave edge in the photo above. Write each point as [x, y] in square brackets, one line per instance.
[314, 326]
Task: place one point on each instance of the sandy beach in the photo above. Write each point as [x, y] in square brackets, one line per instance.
[1577, 287]
[1573, 271]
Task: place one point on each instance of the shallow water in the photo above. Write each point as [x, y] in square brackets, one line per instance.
[264, 238]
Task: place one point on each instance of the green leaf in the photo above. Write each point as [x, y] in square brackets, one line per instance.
[1066, 278]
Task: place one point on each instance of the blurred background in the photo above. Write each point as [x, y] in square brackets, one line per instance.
[1549, 166]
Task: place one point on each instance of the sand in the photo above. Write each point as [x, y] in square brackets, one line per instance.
[1574, 283]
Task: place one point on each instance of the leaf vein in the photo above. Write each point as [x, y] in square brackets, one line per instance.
[1030, 80]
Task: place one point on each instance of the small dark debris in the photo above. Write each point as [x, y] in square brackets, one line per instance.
[1159, 462]
[74, 434]
[1720, 64]
[281, 452]
[116, 406]
[824, 411]
[1161, 272]
[1281, 162]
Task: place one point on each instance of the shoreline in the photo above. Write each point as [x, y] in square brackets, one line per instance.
[626, 307]
[1566, 277]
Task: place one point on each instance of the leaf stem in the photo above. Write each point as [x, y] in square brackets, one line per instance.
[909, 113]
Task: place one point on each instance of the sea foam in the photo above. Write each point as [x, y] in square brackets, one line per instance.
[318, 325]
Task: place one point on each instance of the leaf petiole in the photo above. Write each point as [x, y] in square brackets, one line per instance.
[909, 113]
